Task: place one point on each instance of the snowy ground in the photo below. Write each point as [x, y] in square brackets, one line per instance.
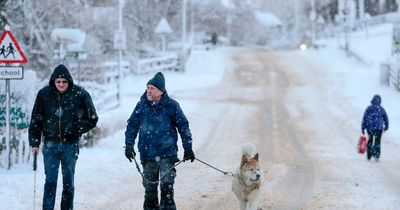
[302, 109]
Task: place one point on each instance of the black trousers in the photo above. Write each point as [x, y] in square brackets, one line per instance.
[153, 171]
[374, 144]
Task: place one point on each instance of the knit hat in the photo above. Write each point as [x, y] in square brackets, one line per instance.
[158, 81]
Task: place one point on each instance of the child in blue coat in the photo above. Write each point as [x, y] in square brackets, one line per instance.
[375, 121]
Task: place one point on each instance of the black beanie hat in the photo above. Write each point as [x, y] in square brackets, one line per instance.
[158, 81]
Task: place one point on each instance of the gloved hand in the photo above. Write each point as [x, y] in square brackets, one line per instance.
[362, 131]
[129, 152]
[35, 150]
[188, 155]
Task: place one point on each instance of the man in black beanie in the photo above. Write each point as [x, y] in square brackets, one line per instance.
[158, 81]
[158, 119]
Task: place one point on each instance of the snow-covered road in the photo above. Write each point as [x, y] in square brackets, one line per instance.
[305, 129]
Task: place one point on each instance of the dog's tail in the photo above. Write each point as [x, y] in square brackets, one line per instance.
[249, 150]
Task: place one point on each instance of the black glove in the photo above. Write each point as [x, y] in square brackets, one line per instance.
[129, 152]
[188, 155]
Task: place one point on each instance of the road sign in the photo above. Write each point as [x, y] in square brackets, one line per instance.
[396, 38]
[11, 72]
[119, 40]
[10, 52]
[163, 27]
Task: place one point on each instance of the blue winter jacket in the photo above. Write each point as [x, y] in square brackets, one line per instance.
[158, 126]
[375, 117]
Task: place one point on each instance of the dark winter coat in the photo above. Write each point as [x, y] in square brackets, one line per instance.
[375, 117]
[158, 126]
[61, 116]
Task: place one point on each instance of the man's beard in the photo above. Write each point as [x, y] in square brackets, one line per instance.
[148, 96]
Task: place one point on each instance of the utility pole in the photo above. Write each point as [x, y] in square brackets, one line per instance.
[398, 6]
[346, 26]
[229, 21]
[183, 57]
[313, 17]
[361, 15]
[192, 22]
[361, 10]
[229, 18]
[120, 30]
[296, 18]
[184, 5]
[381, 6]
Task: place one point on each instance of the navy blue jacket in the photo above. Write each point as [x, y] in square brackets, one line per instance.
[375, 117]
[61, 116]
[158, 126]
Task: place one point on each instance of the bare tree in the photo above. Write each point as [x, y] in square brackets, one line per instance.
[32, 23]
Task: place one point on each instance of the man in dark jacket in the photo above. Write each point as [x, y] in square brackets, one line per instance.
[375, 121]
[158, 119]
[62, 112]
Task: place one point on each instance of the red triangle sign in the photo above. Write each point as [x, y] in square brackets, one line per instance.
[10, 52]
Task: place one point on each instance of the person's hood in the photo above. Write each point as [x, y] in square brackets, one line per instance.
[61, 71]
[376, 100]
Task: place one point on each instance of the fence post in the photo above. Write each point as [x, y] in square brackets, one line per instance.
[384, 74]
[398, 79]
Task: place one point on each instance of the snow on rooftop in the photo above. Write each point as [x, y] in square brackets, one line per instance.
[69, 35]
[227, 3]
[268, 19]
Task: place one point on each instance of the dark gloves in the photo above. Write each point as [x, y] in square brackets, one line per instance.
[129, 152]
[188, 155]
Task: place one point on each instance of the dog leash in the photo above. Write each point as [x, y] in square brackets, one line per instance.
[176, 164]
[224, 172]
[155, 182]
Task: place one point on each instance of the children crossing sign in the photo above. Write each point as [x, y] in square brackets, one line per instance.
[10, 52]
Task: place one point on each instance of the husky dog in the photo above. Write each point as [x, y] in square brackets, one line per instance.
[247, 181]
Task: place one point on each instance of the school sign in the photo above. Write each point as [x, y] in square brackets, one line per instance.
[11, 72]
[10, 51]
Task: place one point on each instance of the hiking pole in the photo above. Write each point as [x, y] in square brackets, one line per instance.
[34, 179]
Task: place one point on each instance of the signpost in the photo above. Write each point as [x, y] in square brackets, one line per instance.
[396, 39]
[119, 40]
[120, 45]
[163, 28]
[10, 52]
[11, 72]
